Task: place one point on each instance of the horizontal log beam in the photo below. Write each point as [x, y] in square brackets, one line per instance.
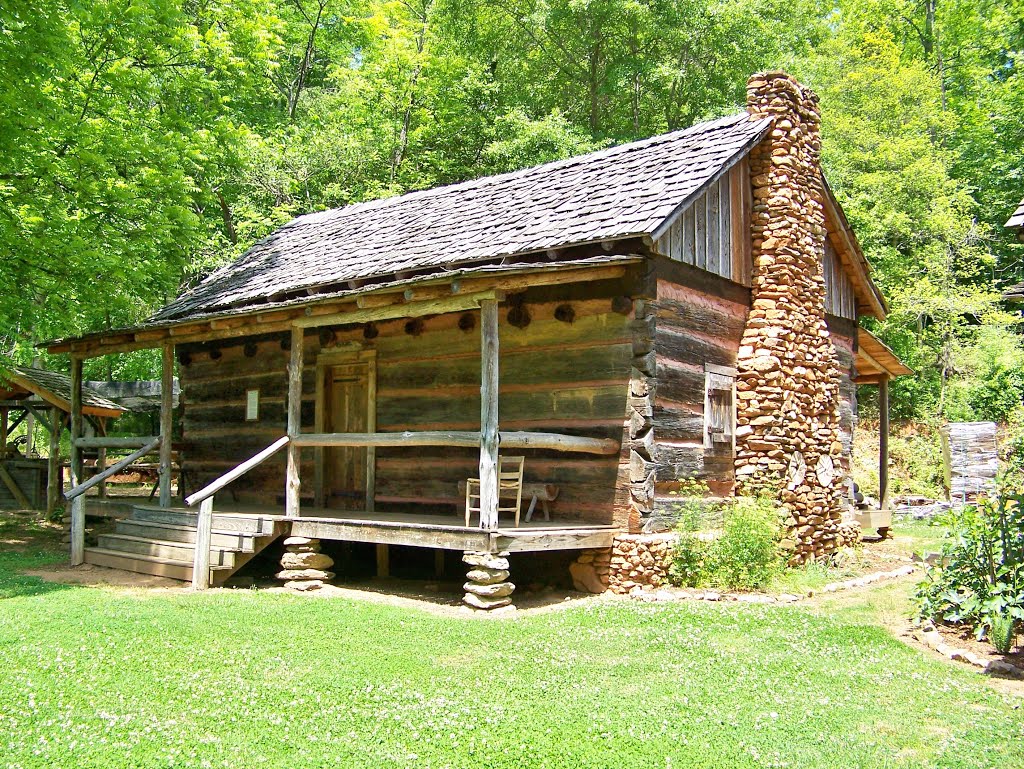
[408, 438]
[557, 442]
[114, 443]
[112, 470]
[399, 309]
[466, 439]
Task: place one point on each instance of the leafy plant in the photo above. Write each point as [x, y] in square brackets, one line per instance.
[742, 555]
[1002, 632]
[979, 581]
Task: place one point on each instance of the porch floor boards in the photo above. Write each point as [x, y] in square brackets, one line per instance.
[425, 529]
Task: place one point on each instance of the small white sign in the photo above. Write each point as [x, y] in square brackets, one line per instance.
[252, 405]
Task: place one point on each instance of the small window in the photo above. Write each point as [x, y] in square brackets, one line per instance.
[252, 405]
[719, 408]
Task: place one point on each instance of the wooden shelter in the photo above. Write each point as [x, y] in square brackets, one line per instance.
[343, 377]
[32, 393]
[1016, 222]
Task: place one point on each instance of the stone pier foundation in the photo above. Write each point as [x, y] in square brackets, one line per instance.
[303, 566]
[487, 585]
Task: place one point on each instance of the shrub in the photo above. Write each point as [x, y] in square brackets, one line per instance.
[979, 581]
[744, 555]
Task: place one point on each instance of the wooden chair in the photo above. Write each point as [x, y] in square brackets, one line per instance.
[510, 484]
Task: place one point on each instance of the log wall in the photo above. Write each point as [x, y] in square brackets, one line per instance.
[570, 375]
[700, 319]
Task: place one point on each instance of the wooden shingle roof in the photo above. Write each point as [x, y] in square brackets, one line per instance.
[54, 388]
[620, 192]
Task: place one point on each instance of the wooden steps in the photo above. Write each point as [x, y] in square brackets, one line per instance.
[161, 542]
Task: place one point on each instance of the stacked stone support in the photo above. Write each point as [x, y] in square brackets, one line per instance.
[303, 566]
[487, 585]
[640, 562]
[590, 570]
[788, 397]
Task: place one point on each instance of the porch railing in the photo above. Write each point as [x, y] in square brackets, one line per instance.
[77, 494]
[204, 523]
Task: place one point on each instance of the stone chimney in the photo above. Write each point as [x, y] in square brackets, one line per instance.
[787, 435]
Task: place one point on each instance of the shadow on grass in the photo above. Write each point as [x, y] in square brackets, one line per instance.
[15, 584]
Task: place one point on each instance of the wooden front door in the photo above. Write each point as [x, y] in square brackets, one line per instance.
[347, 404]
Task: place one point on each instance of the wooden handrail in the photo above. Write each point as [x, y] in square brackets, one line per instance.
[238, 471]
[468, 439]
[114, 443]
[112, 470]
[204, 522]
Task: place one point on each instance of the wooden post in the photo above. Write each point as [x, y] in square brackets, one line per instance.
[166, 423]
[30, 430]
[4, 429]
[54, 470]
[78, 504]
[883, 443]
[204, 534]
[489, 414]
[383, 561]
[293, 484]
[101, 455]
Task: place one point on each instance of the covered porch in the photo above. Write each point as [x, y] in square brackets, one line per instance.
[305, 513]
[876, 365]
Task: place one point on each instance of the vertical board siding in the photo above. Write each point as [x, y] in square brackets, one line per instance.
[703, 234]
[556, 377]
[843, 342]
[840, 299]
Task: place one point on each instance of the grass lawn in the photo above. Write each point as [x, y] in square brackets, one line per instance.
[94, 677]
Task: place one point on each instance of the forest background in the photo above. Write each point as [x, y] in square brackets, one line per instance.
[145, 142]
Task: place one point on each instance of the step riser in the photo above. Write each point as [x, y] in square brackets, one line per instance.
[241, 541]
[249, 525]
[169, 570]
[183, 552]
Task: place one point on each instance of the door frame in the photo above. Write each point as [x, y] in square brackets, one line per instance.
[325, 361]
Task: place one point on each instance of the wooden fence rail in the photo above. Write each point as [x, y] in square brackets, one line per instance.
[467, 439]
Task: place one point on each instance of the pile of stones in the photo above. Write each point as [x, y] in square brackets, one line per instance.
[487, 586]
[303, 566]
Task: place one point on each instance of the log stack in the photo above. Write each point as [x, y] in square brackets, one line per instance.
[787, 387]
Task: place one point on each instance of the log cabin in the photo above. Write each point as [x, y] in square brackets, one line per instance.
[683, 307]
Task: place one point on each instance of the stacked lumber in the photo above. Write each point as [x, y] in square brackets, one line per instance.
[970, 460]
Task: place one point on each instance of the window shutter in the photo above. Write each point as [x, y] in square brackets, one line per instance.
[719, 410]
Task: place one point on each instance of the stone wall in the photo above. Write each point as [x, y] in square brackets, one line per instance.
[634, 563]
[787, 386]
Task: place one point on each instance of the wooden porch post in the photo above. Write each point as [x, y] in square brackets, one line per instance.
[293, 484]
[166, 423]
[489, 414]
[883, 442]
[101, 454]
[54, 471]
[78, 503]
[4, 428]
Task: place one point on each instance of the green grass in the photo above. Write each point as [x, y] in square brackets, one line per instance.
[95, 677]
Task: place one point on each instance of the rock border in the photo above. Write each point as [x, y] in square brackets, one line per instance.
[677, 594]
[930, 637]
